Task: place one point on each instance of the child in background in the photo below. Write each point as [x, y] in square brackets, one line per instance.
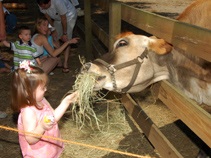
[23, 49]
[36, 114]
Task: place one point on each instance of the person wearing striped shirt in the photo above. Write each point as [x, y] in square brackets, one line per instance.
[23, 48]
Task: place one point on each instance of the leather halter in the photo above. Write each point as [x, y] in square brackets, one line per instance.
[113, 68]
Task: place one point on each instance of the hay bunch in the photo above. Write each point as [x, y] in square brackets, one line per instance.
[113, 126]
[82, 111]
[116, 133]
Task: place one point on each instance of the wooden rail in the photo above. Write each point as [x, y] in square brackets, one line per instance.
[155, 136]
[197, 119]
[185, 36]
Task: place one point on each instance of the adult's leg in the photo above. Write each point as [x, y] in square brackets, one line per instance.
[66, 57]
[59, 30]
[70, 27]
[49, 63]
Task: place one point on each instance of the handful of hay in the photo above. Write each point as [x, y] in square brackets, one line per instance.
[83, 110]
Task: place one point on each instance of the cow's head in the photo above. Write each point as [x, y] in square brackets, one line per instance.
[134, 63]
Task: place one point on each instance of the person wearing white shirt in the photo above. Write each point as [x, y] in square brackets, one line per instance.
[62, 15]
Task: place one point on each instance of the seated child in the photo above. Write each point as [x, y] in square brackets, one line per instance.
[23, 49]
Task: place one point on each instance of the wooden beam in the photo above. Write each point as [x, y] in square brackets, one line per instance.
[100, 33]
[190, 38]
[149, 22]
[104, 4]
[197, 119]
[88, 30]
[97, 48]
[155, 136]
[114, 22]
[15, 5]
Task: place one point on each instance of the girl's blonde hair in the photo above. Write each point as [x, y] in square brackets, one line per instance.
[38, 22]
[24, 85]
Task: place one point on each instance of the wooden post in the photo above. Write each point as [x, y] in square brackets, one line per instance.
[88, 30]
[114, 21]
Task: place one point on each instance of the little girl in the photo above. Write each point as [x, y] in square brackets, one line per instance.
[36, 114]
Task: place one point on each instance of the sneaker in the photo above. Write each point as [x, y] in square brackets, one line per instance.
[2, 115]
[51, 73]
[80, 12]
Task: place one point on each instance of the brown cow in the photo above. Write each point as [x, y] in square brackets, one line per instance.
[138, 61]
[155, 62]
[198, 13]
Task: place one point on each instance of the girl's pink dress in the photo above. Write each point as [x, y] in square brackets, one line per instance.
[45, 148]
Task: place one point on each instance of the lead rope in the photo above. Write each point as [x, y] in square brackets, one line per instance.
[71, 142]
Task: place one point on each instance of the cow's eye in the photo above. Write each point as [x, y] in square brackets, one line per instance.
[122, 43]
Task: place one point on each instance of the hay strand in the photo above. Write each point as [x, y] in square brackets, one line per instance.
[82, 111]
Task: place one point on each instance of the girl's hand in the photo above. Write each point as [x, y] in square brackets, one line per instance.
[64, 38]
[71, 98]
[47, 122]
[74, 40]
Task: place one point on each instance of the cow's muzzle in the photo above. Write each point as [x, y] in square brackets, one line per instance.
[113, 68]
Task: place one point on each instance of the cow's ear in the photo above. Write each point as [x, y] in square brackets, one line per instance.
[159, 46]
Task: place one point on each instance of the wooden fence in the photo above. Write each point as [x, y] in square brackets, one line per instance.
[185, 36]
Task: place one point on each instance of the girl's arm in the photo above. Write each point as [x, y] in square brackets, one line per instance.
[6, 43]
[60, 110]
[56, 44]
[42, 40]
[32, 125]
[56, 52]
[38, 61]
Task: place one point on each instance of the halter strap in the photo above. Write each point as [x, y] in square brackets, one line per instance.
[113, 68]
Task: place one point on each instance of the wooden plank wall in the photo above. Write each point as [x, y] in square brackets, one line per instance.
[187, 37]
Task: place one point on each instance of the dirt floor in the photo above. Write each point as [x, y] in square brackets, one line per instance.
[120, 134]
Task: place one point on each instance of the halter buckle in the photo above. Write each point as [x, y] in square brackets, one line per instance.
[140, 59]
[111, 69]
